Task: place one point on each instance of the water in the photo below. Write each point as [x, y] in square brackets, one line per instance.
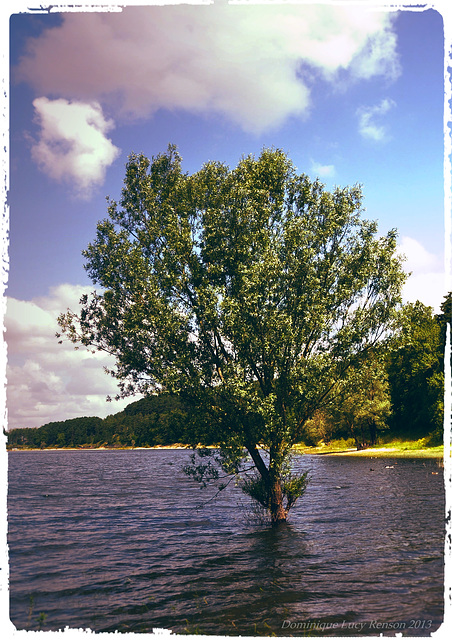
[115, 540]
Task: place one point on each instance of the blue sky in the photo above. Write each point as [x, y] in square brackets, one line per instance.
[353, 93]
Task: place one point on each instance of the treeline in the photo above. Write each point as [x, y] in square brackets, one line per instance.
[151, 421]
[398, 393]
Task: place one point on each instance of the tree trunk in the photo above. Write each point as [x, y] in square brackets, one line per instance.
[355, 436]
[277, 511]
[273, 483]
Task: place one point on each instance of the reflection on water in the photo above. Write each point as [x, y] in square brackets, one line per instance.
[115, 540]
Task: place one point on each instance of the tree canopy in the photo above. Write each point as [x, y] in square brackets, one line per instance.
[416, 371]
[364, 405]
[250, 292]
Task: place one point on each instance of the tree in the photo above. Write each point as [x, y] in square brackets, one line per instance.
[364, 405]
[248, 292]
[444, 319]
[416, 373]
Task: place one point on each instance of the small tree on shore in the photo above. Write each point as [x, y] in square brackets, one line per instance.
[363, 407]
[249, 292]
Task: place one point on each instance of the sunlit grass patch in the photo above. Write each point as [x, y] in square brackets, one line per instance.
[392, 448]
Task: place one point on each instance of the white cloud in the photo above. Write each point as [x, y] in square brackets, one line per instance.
[245, 62]
[380, 58]
[47, 381]
[368, 117]
[323, 170]
[427, 280]
[72, 145]
[417, 257]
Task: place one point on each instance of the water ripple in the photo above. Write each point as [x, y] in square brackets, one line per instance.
[115, 541]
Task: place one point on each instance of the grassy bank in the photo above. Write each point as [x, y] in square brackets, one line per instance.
[392, 449]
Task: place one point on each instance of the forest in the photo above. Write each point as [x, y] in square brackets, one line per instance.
[397, 395]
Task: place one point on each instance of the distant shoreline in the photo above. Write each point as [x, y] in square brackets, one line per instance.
[378, 452]
[156, 448]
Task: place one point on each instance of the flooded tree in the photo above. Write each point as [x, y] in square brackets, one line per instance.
[249, 292]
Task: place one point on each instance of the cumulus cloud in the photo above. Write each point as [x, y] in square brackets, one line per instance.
[369, 120]
[323, 170]
[418, 258]
[249, 63]
[47, 381]
[72, 144]
[427, 280]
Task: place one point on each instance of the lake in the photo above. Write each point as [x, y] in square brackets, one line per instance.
[123, 540]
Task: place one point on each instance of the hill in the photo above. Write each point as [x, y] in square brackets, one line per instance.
[150, 421]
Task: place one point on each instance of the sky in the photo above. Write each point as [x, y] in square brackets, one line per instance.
[354, 93]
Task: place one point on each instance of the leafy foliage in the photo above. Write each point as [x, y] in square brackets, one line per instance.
[416, 373]
[63, 434]
[362, 408]
[202, 472]
[250, 293]
[292, 486]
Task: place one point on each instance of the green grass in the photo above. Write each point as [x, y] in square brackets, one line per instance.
[396, 448]
[331, 447]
